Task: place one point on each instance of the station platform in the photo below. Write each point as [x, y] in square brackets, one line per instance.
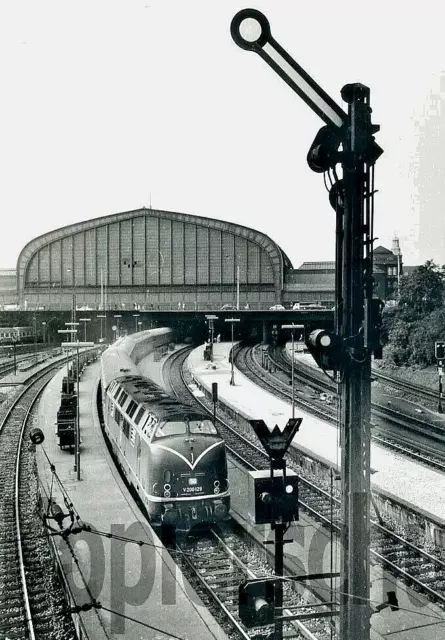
[140, 582]
[393, 474]
[418, 619]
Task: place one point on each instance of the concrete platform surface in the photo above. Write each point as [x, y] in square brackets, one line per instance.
[141, 582]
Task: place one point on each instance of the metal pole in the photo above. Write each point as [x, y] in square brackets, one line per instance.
[293, 364]
[355, 386]
[279, 568]
[101, 288]
[77, 419]
[440, 370]
[232, 379]
[15, 360]
[237, 287]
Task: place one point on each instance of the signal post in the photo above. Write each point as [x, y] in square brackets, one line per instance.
[347, 352]
[439, 351]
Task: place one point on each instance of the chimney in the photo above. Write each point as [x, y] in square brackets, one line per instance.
[395, 248]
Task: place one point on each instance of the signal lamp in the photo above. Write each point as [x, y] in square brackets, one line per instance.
[323, 152]
[273, 501]
[36, 436]
[337, 196]
[256, 602]
[324, 347]
[57, 513]
[439, 349]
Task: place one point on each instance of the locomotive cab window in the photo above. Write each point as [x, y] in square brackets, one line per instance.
[171, 428]
[203, 427]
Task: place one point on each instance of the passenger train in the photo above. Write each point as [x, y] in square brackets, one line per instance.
[171, 453]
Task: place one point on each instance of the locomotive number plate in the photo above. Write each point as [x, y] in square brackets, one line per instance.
[195, 489]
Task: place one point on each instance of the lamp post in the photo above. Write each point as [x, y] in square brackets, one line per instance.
[44, 333]
[139, 326]
[117, 316]
[102, 316]
[73, 286]
[14, 343]
[85, 321]
[232, 323]
[136, 316]
[292, 328]
[73, 325]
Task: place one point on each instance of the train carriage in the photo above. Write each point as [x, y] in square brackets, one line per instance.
[172, 454]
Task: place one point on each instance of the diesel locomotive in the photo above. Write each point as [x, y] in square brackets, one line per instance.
[171, 453]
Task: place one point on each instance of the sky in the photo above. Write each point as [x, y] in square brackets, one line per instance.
[110, 105]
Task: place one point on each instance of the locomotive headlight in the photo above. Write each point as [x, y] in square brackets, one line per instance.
[216, 484]
[167, 493]
[167, 486]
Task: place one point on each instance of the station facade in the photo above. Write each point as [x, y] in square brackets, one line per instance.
[149, 259]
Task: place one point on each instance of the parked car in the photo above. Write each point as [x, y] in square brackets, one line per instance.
[277, 307]
[228, 307]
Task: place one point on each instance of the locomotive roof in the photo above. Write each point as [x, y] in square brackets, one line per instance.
[155, 398]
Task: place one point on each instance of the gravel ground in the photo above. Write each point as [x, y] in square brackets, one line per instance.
[426, 376]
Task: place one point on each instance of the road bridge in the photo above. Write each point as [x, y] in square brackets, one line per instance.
[254, 325]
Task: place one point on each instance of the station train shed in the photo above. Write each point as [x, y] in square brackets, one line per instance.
[148, 259]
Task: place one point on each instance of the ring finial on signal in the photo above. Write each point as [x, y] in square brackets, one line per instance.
[250, 29]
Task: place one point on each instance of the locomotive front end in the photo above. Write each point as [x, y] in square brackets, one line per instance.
[189, 468]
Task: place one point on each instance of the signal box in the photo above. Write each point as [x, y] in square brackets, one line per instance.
[268, 500]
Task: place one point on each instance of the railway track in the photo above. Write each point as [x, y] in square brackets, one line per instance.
[31, 601]
[410, 562]
[423, 453]
[221, 560]
[248, 454]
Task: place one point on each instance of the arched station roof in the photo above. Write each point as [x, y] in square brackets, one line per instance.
[148, 247]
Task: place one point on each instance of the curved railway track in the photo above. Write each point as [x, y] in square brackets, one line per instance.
[407, 561]
[423, 453]
[210, 565]
[31, 602]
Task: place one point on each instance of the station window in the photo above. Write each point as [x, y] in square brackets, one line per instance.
[125, 428]
[117, 415]
[118, 389]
